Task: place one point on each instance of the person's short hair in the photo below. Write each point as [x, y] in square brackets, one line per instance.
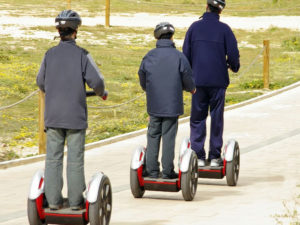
[214, 9]
[66, 33]
[166, 36]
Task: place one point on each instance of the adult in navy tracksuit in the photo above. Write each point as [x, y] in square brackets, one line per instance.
[211, 49]
[64, 72]
[164, 73]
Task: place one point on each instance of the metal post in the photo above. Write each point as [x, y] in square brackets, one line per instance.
[42, 135]
[266, 63]
[107, 13]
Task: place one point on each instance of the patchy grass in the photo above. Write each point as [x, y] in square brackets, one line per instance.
[92, 8]
[118, 57]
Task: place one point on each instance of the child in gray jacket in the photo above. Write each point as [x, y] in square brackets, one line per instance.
[164, 73]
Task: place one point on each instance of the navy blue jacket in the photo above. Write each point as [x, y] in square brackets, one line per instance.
[164, 73]
[211, 48]
[65, 70]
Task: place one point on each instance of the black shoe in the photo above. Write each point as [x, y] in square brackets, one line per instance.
[78, 207]
[55, 207]
[173, 175]
[155, 176]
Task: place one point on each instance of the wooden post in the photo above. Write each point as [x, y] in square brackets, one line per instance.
[266, 63]
[69, 4]
[107, 13]
[42, 134]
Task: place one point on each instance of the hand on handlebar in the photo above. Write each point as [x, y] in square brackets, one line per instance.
[194, 91]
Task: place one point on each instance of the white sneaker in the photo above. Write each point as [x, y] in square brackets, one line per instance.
[216, 162]
[201, 162]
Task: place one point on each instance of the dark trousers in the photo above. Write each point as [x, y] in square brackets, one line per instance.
[213, 99]
[165, 127]
[56, 138]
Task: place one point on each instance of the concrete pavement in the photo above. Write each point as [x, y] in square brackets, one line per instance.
[269, 136]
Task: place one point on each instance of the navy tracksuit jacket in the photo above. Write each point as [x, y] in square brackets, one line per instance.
[211, 49]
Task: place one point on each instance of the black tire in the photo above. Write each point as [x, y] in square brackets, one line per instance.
[189, 179]
[100, 211]
[136, 190]
[32, 213]
[233, 167]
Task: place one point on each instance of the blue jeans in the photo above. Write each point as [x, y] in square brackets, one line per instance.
[205, 99]
[56, 138]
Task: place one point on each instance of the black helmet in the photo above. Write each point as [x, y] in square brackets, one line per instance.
[163, 28]
[68, 19]
[220, 4]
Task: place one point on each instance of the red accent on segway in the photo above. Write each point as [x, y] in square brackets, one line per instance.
[41, 182]
[140, 175]
[179, 180]
[39, 206]
[141, 155]
[86, 215]
[63, 215]
[159, 182]
[213, 171]
[224, 167]
[189, 145]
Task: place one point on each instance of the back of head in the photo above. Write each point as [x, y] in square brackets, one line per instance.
[164, 30]
[67, 22]
[216, 6]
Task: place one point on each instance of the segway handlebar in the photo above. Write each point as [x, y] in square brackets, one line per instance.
[92, 93]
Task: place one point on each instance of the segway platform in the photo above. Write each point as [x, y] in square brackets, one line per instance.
[230, 167]
[65, 215]
[160, 184]
[97, 210]
[187, 177]
[211, 172]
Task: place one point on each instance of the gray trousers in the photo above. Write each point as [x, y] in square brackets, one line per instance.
[56, 138]
[165, 127]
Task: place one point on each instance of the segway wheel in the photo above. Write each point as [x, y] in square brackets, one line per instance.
[189, 179]
[233, 167]
[32, 213]
[136, 190]
[100, 211]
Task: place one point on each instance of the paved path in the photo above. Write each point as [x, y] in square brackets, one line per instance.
[269, 136]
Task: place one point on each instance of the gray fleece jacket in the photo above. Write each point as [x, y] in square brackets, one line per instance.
[65, 70]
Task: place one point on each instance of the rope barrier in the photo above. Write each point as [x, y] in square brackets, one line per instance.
[92, 107]
[129, 101]
[118, 105]
[251, 64]
[19, 102]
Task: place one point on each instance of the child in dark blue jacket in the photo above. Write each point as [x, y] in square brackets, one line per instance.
[164, 73]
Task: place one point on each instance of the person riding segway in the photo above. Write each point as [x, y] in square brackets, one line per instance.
[211, 49]
[63, 75]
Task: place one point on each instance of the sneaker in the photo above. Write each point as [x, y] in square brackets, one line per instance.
[201, 162]
[216, 162]
[173, 175]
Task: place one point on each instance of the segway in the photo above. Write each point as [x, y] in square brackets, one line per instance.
[230, 167]
[187, 177]
[96, 211]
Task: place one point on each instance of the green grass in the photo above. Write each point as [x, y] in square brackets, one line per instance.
[91, 7]
[119, 58]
